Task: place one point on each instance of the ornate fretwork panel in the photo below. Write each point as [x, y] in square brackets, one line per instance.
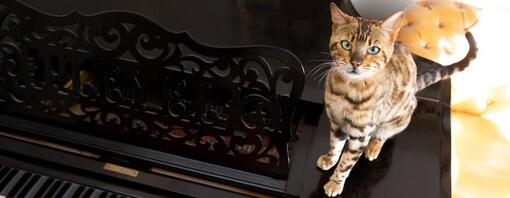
[120, 76]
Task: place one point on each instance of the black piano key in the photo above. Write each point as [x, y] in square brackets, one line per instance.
[70, 192]
[113, 196]
[22, 181]
[53, 189]
[96, 193]
[44, 187]
[7, 179]
[88, 193]
[28, 186]
[38, 184]
[78, 192]
[103, 195]
[63, 190]
[4, 172]
[19, 184]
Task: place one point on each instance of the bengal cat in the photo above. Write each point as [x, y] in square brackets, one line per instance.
[370, 89]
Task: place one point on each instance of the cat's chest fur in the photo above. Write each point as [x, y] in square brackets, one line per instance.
[360, 107]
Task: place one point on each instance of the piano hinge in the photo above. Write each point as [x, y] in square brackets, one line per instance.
[120, 169]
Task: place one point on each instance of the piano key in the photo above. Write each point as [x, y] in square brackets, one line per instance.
[88, 193]
[8, 176]
[78, 192]
[9, 181]
[44, 187]
[20, 183]
[4, 172]
[95, 193]
[53, 189]
[30, 184]
[63, 190]
[103, 195]
[35, 188]
[72, 189]
[17, 187]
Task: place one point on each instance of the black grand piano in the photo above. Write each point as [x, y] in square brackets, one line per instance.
[168, 98]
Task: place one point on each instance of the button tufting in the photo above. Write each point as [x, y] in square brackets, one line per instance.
[431, 23]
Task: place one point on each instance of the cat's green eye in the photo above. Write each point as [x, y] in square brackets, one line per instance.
[373, 50]
[346, 45]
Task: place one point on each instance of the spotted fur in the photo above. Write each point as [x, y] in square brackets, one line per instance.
[430, 77]
[370, 97]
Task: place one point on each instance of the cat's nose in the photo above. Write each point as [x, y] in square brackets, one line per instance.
[355, 63]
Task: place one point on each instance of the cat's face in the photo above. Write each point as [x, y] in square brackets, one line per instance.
[359, 47]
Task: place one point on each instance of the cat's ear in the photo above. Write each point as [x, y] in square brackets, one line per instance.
[393, 24]
[337, 16]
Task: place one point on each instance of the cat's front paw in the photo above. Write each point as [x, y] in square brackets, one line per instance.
[373, 149]
[325, 162]
[333, 188]
[372, 153]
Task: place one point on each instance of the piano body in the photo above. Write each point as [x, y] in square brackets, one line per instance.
[113, 99]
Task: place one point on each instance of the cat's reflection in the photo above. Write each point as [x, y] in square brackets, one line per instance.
[364, 176]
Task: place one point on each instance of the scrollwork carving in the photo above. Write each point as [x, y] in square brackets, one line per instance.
[121, 74]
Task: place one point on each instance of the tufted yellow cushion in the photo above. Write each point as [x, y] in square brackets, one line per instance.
[434, 29]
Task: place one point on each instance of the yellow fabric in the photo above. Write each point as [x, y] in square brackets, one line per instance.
[479, 158]
[434, 29]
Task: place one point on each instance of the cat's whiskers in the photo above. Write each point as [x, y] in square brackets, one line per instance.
[330, 74]
[322, 74]
[344, 66]
[319, 60]
[322, 56]
[371, 69]
[326, 75]
[326, 54]
[320, 68]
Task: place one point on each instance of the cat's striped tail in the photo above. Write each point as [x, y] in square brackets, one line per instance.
[435, 75]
